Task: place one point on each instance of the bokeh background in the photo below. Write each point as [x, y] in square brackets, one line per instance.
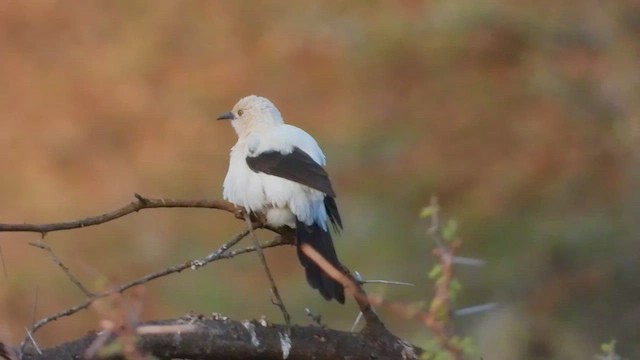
[522, 116]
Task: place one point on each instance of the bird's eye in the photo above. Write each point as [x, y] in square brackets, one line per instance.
[240, 112]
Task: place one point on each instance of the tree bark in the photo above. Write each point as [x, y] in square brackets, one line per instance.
[229, 339]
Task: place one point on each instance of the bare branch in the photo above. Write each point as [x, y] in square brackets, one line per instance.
[139, 204]
[41, 245]
[274, 289]
[373, 323]
[219, 254]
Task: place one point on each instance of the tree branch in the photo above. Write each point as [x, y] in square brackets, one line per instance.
[227, 339]
[140, 203]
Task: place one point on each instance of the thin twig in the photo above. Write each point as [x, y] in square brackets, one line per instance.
[269, 244]
[35, 306]
[33, 321]
[140, 203]
[373, 323]
[216, 255]
[33, 341]
[42, 245]
[220, 254]
[274, 289]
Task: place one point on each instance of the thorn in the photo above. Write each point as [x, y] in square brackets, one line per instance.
[358, 277]
[142, 199]
[33, 341]
[355, 323]
[459, 260]
[391, 282]
[472, 310]
[316, 319]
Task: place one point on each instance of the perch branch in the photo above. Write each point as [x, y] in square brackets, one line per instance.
[228, 339]
[140, 203]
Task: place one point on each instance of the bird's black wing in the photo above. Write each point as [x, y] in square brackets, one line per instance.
[296, 166]
[299, 167]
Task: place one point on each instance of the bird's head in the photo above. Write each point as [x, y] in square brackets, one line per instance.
[252, 113]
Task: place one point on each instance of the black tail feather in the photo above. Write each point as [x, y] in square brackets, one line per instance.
[320, 240]
[332, 212]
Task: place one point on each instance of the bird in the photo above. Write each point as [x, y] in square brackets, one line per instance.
[277, 170]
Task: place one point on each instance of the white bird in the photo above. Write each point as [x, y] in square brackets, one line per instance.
[276, 169]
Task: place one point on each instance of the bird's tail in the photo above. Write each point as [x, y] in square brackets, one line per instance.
[320, 240]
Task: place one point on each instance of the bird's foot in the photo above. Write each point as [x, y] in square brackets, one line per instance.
[260, 218]
[256, 218]
[239, 213]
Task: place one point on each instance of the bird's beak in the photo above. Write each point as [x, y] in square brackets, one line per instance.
[226, 116]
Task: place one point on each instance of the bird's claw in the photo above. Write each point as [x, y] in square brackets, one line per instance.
[239, 213]
[260, 218]
[256, 218]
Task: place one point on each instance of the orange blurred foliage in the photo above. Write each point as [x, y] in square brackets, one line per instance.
[524, 117]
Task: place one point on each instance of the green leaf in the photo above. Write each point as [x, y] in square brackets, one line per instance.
[435, 272]
[449, 230]
[609, 347]
[454, 288]
[426, 212]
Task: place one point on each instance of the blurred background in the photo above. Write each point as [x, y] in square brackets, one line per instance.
[522, 116]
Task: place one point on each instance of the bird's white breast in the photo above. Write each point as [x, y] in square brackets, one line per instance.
[281, 200]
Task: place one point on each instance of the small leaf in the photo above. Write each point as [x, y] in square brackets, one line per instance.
[454, 287]
[449, 230]
[426, 212]
[608, 348]
[435, 271]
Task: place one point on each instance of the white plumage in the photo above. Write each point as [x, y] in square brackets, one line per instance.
[277, 170]
[280, 199]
